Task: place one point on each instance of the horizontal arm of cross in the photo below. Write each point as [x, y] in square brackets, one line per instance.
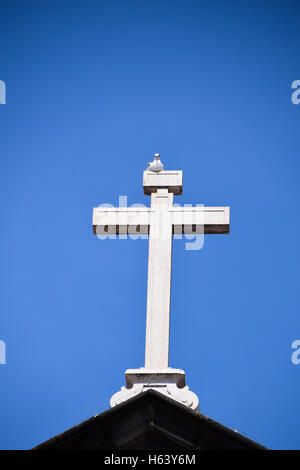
[188, 220]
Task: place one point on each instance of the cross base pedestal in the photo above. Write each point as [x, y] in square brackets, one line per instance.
[169, 382]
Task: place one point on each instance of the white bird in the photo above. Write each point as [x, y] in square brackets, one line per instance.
[156, 165]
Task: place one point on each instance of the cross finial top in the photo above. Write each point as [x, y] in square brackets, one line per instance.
[156, 165]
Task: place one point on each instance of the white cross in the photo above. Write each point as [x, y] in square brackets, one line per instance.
[160, 221]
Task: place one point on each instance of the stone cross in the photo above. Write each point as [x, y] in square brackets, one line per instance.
[160, 222]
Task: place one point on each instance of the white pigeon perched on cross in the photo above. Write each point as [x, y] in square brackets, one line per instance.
[156, 165]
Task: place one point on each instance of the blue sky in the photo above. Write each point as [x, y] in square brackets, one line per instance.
[94, 88]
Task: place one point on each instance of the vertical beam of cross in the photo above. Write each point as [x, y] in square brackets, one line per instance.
[159, 281]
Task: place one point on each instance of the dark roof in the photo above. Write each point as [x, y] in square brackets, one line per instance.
[149, 421]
